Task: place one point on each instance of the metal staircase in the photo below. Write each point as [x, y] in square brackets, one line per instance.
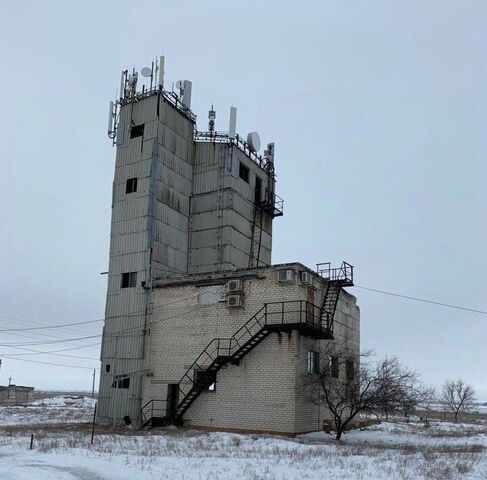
[300, 315]
[336, 279]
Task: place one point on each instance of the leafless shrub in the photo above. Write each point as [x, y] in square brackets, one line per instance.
[457, 396]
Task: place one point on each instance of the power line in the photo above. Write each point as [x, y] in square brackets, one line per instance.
[48, 342]
[75, 348]
[38, 352]
[416, 299]
[50, 326]
[47, 363]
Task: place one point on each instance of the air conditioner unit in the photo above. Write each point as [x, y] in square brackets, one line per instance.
[234, 301]
[234, 286]
[306, 278]
[286, 276]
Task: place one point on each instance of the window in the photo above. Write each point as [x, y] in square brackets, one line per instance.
[211, 294]
[313, 362]
[244, 172]
[121, 383]
[258, 191]
[137, 131]
[107, 367]
[350, 368]
[129, 279]
[285, 276]
[205, 379]
[131, 185]
[333, 365]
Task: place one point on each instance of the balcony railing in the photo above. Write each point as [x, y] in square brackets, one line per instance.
[342, 274]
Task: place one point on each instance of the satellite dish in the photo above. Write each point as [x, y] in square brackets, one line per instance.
[146, 72]
[253, 140]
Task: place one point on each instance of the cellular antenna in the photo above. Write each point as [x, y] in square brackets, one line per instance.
[232, 128]
[161, 71]
[212, 117]
[110, 120]
[187, 86]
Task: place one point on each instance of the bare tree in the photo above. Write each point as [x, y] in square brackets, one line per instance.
[417, 396]
[457, 396]
[349, 383]
[400, 388]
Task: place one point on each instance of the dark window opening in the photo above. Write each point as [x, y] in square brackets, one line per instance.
[137, 131]
[129, 279]
[350, 369]
[131, 185]
[107, 367]
[258, 191]
[121, 383]
[313, 362]
[206, 380]
[334, 367]
[244, 173]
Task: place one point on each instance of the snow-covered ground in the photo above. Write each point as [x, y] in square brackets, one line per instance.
[387, 451]
[59, 409]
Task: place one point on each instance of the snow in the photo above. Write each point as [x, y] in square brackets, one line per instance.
[395, 450]
[52, 410]
[66, 401]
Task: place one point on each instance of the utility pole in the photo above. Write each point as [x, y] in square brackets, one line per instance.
[93, 387]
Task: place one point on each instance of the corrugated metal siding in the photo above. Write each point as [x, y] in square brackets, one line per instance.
[129, 246]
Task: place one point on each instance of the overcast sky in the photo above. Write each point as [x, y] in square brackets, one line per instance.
[378, 113]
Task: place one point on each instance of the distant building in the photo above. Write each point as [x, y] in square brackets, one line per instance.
[15, 394]
[201, 328]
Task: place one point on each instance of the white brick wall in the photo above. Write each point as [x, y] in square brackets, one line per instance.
[264, 392]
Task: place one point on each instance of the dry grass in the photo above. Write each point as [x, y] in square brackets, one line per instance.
[415, 453]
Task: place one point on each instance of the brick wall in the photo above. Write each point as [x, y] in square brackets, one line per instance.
[262, 393]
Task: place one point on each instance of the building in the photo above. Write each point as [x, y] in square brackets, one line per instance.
[16, 394]
[192, 216]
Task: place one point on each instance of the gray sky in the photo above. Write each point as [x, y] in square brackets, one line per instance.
[378, 112]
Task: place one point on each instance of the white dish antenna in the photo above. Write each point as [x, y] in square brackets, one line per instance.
[253, 139]
[146, 72]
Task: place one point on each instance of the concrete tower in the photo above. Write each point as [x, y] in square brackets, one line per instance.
[184, 202]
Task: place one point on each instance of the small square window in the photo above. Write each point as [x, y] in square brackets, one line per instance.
[129, 279]
[205, 379]
[121, 383]
[131, 185]
[244, 172]
[137, 131]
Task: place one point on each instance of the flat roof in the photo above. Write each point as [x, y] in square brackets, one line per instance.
[215, 278]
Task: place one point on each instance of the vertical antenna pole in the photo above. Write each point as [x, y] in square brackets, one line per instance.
[93, 386]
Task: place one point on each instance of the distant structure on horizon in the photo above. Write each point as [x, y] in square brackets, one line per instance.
[16, 394]
[200, 328]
